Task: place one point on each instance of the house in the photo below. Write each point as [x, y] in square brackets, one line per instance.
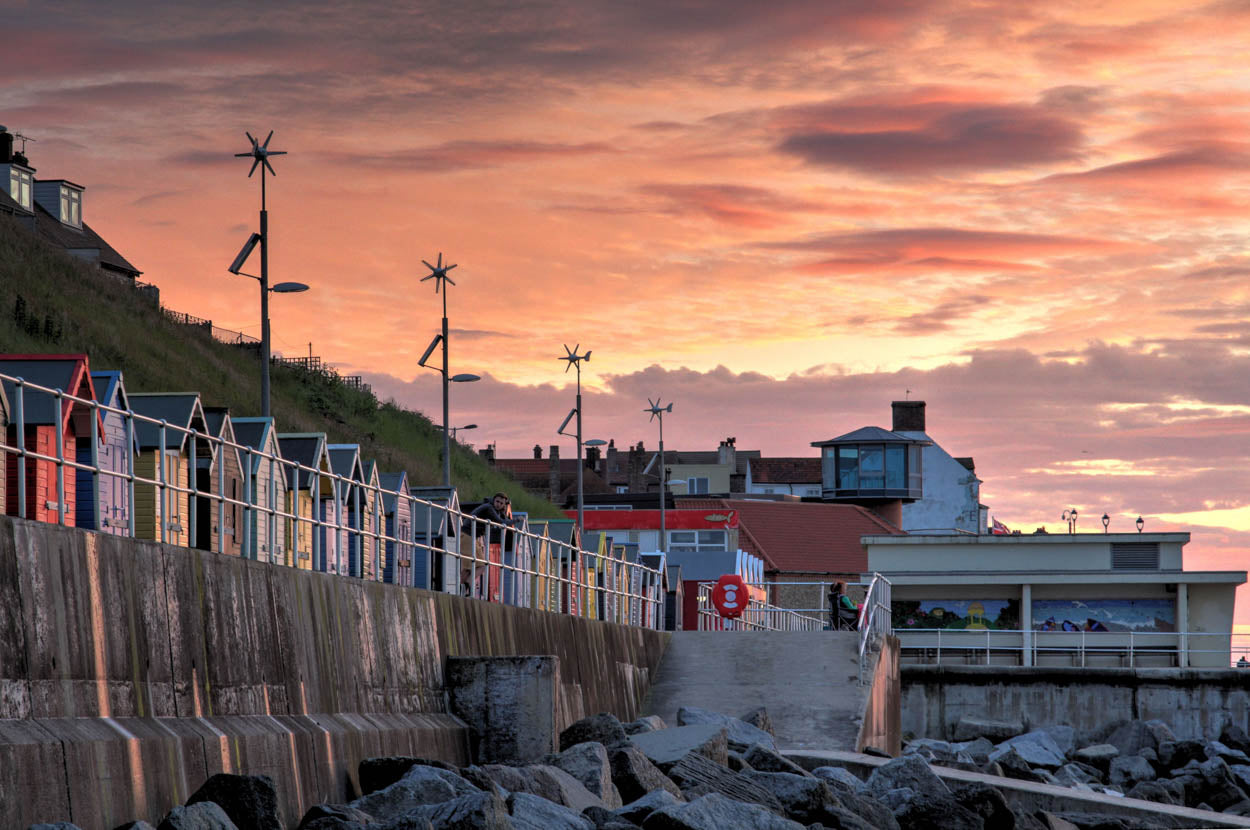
[265, 486]
[53, 209]
[109, 510]
[219, 483]
[809, 545]
[397, 550]
[341, 512]
[904, 475]
[695, 529]
[308, 484]
[39, 416]
[162, 502]
[436, 538]
[1075, 599]
[372, 524]
[789, 476]
[553, 478]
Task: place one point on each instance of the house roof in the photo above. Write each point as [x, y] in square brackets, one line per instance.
[392, 484]
[679, 457]
[65, 372]
[535, 474]
[109, 385]
[704, 565]
[873, 434]
[785, 470]
[803, 537]
[435, 516]
[181, 409]
[345, 462]
[9, 205]
[52, 229]
[967, 463]
[306, 449]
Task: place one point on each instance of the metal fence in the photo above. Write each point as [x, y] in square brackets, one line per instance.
[1020, 647]
[346, 526]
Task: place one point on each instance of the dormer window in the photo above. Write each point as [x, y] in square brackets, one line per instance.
[71, 206]
[21, 185]
[871, 463]
[62, 199]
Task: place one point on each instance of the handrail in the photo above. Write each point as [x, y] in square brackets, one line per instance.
[348, 532]
[875, 620]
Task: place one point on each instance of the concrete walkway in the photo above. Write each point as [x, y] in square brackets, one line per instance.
[808, 681]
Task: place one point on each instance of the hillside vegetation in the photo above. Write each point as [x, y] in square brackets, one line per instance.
[51, 302]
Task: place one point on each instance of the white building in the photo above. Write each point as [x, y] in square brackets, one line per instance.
[1086, 599]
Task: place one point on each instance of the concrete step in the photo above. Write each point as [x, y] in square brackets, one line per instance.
[808, 681]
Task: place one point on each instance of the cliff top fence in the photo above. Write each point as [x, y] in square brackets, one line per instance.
[348, 526]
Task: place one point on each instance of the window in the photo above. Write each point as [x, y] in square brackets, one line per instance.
[895, 458]
[871, 468]
[71, 206]
[848, 468]
[915, 470]
[692, 541]
[695, 486]
[20, 184]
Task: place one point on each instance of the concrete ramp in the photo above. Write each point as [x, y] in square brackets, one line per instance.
[808, 681]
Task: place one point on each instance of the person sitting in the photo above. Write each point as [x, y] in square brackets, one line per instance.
[847, 615]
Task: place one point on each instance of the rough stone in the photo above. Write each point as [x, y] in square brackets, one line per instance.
[696, 776]
[57, 825]
[740, 734]
[909, 772]
[736, 762]
[603, 728]
[1153, 791]
[421, 785]
[551, 783]
[758, 717]
[1218, 749]
[941, 812]
[841, 775]
[1097, 755]
[1241, 774]
[588, 763]
[531, 812]
[202, 816]
[988, 803]
[133, 825]
[508, 704]
[1134, 735]
[648, 723]
[1210, 782]
[970, 727]
[607, 820]
[326, 816]
[765, 760]
[634, 775]
[716, 812]
[1038, 749]
[1128, 770]
[1071, 774]
[939, 751]
[638, 810]
[1176, 754]
[1063, 736]
[804, 799]
[475, 811]
[1234, 736]
[1014, 766]
[668, 746]
[379, 773]
[249, 800]
[978, 749]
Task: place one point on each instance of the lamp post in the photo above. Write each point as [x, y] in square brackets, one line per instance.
[454, 430]
[658, 411]
[1140, 524]
[575, 359]
[438, 273]
[1106, 522]
[1069, 516]
[260, 154]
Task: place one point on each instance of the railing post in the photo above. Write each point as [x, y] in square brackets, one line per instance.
[220, 458]
[192, 498]
[130, 478]
[96, 511]
[164, 494]
[60, 460]
[248, 550]
[19, 411]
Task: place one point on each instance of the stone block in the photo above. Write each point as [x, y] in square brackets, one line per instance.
[969, 727]
[669, 746]
[508, 703]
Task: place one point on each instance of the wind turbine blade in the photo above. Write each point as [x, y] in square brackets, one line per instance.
[250, 137]
[440, 259]
[269, 167]
[253, 170]
[275, 153]
[427, 265]
[568, 366]
[448, 268]
[430, 277]
[449, 279]
[243, 155]
[265, 146]
[587, 355]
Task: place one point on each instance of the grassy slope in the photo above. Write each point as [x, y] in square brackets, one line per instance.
[96, 314]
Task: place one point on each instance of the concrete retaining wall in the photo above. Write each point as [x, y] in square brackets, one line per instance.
[1196, 703]
[880, 727]
[130, 671]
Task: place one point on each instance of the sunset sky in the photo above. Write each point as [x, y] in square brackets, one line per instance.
[780, 215]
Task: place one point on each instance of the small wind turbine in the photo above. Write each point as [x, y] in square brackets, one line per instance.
[260, 154]
[658, 411]
[575, 359]
[438, 273]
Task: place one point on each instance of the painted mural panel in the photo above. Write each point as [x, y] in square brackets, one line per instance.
[957, 614]
[1153, 614]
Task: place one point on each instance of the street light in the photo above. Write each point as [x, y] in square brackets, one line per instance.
[260, 154]
[1140, 524]
[1069, 516]
[658, 411]
[438, 273]
[454, 430]
[575, 359]
[1106, 522]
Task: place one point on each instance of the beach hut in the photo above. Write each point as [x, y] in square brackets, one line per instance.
[396, 561]
[104, 499]
[436, 538]
[38, 414]
[543, 587]
[265, 486]
[568, 564]
[306, 490]
[518, 560]
[163, 508]
[372, 524]
[219, 486]
[4, 456]
[341, 511]
[594, 555]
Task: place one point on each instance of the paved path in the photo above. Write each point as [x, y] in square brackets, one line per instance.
[808, 681]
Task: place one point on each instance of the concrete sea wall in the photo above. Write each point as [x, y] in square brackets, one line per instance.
[1195, 703]
[880, 727]
[131, 671]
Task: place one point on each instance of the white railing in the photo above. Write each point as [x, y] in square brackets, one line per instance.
[875, 620]
[343, 527]
[1073, 648]
[759, 615]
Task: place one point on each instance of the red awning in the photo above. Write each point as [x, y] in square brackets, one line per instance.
[650, 519]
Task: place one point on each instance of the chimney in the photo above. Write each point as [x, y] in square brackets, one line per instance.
[6, 146]
[908, 416]
[538, 452]
[637, 460]
[488, 454]
[592, 458]
[727, 453]
[553, 476]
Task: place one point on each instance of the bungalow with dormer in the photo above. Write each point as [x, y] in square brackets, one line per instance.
[219, 481]
[109, 510]
[162, 501]
[265, 487]
[40, 481]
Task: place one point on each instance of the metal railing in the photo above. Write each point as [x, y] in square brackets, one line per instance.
[759, 615]
[875, 620]
[174, 490]
[1132, 649]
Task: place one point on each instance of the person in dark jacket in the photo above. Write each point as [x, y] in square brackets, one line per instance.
[498, 511]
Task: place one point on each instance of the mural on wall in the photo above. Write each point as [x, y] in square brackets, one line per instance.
[961, 614]
[1154, 614]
